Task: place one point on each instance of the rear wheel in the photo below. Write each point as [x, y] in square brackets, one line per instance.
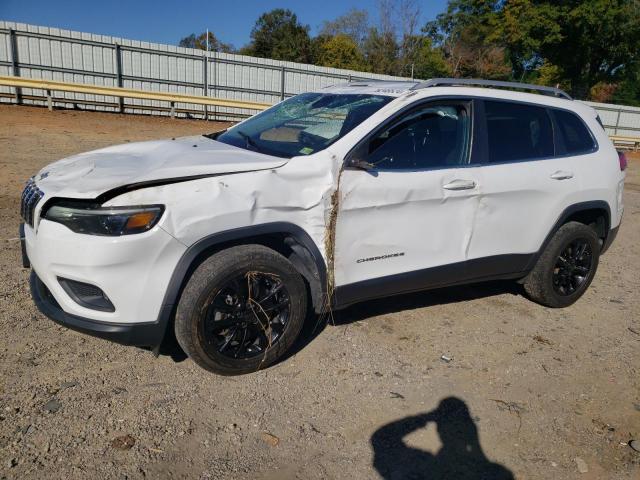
[566, 268]
[241, 310]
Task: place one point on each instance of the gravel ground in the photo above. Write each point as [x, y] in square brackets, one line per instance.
[527, 392]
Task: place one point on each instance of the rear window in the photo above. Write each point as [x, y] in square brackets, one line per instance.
[518, 132]
[575, 135]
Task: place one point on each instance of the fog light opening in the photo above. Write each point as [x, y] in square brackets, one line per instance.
[87, 295]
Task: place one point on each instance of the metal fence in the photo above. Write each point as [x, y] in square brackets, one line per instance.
[619, 119]
[55, 54]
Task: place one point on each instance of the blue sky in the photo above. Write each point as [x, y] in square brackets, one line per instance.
[166, 21]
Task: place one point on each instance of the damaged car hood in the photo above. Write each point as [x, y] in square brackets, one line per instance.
[91, 174]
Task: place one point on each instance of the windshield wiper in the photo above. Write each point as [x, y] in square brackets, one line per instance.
[250, 142]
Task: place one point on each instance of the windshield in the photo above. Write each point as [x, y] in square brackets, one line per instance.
[303, 124]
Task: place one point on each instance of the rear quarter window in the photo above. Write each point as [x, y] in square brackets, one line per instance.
[518, 132]
[575, 135]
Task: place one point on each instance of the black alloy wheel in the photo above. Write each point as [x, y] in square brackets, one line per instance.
[572, 267]
[241, 310]
[247, 315]
[566, 266]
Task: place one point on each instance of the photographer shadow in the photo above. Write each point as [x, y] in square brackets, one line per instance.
[461, 456]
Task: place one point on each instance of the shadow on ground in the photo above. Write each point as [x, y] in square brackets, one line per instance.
[461, 456]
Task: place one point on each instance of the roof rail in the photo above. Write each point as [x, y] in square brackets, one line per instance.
[365, 83]
[455, 82]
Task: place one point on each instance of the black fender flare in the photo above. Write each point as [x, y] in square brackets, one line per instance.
[565, 215]
[306, 257]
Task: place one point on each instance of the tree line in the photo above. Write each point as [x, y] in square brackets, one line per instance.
[590, 48]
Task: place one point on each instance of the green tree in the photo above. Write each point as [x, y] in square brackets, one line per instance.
[429, 62]
[354, 24]
[340, 51]
[549, 74]
[200, 42]
[381, 52]
[525, 28]
[627, 92]
[593, 41]
[278, 35]
[411, 42]
[466, 34]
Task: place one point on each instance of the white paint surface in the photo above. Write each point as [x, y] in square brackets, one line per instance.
[511, 209]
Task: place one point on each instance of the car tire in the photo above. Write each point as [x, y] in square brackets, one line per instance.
[233, 296]
[562, 273]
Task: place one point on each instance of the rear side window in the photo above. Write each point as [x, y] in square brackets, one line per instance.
[575, 135]
[517, 132]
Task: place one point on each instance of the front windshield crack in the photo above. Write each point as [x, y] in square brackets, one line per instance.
[304, 124]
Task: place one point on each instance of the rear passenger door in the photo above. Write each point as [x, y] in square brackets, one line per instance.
[526, 180]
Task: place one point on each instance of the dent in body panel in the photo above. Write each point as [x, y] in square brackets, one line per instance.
[299, 193]
[410, 213]
[95, 173]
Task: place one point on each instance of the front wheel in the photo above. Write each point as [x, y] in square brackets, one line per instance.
[241, 310]
[566, 267]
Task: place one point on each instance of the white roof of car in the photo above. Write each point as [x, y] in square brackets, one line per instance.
[380, 87]
[473, 87]
[398, 88]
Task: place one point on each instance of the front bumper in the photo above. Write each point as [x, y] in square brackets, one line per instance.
[133, 271]
[23, 248]
[138, 334]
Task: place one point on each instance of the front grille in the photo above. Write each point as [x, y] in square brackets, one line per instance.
[31, 195]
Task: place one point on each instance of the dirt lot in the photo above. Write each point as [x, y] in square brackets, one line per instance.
[529, 392]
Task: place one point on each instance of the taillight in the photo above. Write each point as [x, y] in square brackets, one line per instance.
[622, 158]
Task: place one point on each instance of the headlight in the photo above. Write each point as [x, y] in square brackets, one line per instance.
[110, 221]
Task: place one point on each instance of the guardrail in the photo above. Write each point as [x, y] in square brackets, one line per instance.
[33, 51]
[632, 143]
[207, 58]
[119, 93]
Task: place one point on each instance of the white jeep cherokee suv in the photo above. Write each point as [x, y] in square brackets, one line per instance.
[329, 198]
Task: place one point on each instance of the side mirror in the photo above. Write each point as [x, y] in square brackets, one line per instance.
[361, 164]
[357, 159]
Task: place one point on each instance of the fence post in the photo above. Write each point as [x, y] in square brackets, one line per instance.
[119, 76]
[282, 75]
[615, 131]
[214, 66]
[205, 83]
[15, 67]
